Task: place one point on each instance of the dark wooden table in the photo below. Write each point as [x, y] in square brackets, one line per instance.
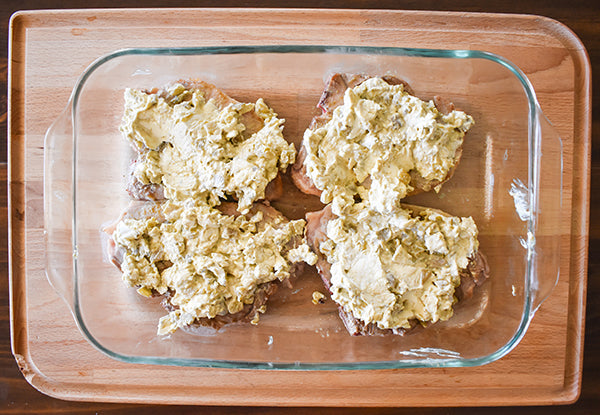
[583, 17]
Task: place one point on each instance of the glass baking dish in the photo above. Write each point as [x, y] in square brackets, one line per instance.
[509, 181]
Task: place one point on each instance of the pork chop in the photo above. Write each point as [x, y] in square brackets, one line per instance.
[331, 98]
[473, 276]
[270, 217]
[252, 122]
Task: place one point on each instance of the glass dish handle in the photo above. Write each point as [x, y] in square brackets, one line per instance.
[58, 205]
[549, 228]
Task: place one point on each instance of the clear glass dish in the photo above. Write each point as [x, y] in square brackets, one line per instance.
[509, 181]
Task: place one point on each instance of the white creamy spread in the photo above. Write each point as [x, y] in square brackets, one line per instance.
[372, 142]
[199, 149]
[390, 269]
[213, 263]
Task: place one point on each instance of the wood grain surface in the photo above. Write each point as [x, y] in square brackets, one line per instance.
[18, 397]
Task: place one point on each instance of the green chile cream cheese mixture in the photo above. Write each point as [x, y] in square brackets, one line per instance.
[385, 264]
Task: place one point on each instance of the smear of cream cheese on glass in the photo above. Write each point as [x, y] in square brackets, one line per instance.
[211, 262]
[392, 268]
[379, 135]
[196, 149]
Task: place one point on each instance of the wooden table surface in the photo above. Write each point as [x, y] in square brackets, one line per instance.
[18, 397]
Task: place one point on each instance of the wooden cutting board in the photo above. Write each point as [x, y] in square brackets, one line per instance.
[50, 49]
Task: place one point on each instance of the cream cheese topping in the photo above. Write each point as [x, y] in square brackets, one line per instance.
[196, 149]
[211, 263]
[390, 269]
[372, 142]
[318, 297]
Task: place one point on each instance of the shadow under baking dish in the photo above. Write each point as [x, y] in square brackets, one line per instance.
[509, 181]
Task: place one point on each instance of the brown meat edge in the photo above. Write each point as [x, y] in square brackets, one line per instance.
[138, 210]
[331, 98]
[473, 276]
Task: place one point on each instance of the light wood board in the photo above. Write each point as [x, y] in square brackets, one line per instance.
[50, 49]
